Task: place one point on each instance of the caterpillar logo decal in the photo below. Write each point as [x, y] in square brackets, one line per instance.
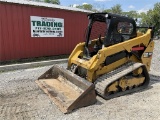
[147, 54]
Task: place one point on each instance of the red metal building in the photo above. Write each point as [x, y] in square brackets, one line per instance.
[15, 29]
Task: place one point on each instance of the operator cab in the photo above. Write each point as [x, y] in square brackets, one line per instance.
[110, 29]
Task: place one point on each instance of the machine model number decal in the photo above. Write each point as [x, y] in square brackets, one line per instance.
[147, 54]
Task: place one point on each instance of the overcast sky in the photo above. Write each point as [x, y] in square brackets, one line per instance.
[127, 5]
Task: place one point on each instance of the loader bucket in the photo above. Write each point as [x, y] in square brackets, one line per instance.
[67, 90]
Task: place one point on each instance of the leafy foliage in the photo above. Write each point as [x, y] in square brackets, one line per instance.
[116, 9]
[53, 1]
[132, 14]
[85, 7]
[152, 18]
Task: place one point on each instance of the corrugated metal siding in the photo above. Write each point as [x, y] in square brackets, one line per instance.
[1, 43]
[47, 5]
[15, 32]
[98, 28]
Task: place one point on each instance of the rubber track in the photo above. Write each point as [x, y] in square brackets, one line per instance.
[105, 80]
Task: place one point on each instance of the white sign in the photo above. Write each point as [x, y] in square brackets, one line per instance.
[46, 27]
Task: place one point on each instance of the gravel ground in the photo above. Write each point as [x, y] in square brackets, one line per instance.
[22, 99]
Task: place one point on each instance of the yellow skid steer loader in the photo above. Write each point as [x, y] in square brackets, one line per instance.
[114, 64]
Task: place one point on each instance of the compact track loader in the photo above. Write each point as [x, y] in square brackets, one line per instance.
[114, 64]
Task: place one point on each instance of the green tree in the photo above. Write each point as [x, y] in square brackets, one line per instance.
[155, 18]
[47, 1]
[132, 14]
[152, 18]
[85, 6]
[116, 9]
[107, 10]
[53, 1]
